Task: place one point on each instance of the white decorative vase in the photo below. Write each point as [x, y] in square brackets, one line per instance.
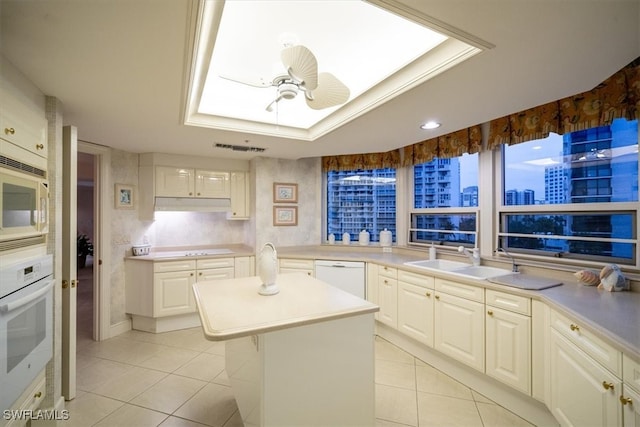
[268, 270]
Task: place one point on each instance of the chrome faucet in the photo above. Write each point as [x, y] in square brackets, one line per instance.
[514, 266]
[473, 254]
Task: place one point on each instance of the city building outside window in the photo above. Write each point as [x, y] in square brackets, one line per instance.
[573, 196]
[445, 201]
[361, 200]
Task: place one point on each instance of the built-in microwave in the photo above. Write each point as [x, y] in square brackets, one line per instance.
[24, 200]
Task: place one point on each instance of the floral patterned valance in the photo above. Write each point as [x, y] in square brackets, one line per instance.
[616, 97]
[389, 159]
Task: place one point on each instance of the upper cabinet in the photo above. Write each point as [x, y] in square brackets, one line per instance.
[25, 129]
[185, 182]
[240, 202]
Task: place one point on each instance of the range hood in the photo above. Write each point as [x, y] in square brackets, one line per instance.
[192, 204]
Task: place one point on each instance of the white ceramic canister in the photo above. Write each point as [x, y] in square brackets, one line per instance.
[332, 239]
[385, 238]
[363, 238]
[346, 238]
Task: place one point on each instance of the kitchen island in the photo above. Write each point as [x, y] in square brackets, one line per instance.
[302, 357]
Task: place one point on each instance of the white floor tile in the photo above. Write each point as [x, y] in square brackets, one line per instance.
[169, 394]
[132, 416]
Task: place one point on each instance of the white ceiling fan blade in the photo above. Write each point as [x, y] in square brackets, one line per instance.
[330, 92]
[275, 101]
[248, 80]
[301, 65]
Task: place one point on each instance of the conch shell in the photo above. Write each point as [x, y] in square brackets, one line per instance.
[612, 279]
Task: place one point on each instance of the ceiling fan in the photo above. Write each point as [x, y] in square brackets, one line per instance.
[321, 90]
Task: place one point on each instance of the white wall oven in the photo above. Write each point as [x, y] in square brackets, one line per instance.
[26, 324]
[24, 198]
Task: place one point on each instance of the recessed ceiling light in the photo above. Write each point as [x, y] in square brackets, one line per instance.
[430, 125]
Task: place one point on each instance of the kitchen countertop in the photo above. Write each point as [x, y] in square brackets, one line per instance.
[195, 252]
[233, 308]
[613, 316]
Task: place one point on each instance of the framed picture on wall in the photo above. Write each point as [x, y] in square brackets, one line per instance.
[285, 192]
[285, 215]
[124, 196]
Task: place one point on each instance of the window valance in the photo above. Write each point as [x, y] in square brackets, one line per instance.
[616, 97]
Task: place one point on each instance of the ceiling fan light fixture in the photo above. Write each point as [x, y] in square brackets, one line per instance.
[430, 125]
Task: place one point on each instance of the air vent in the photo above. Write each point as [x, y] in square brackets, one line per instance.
[240, 148]
[22, 243]
[22, 167]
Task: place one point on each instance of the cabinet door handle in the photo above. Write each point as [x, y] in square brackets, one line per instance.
[190, 193]
[438, 297]
[38, 395]
[9, 131]
[428, 294]
[574, 327]
[490, 313]
[39, 146]
[626, 400]
[607, 386]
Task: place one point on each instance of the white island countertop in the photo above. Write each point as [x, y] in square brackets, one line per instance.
[232, 308]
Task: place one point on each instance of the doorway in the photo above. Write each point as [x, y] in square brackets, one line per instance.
[86, 220]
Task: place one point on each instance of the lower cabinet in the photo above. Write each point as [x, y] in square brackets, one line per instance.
[173, 294]
[583, 393]
[459, 329]
[388, 296]
[508, 339]
[630, 401]
[289, 265]
[415, 306]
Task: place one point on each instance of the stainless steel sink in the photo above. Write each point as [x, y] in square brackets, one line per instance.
[437, 264]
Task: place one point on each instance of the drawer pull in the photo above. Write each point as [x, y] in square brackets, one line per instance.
[438, 297]
[607, 386]
[626, 400]
[428, 294]
[490, 313]
[9, 131]
[39, 146]
[38, 395]
[574, 327]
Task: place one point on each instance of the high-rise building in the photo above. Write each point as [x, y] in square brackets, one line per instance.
[365, 200]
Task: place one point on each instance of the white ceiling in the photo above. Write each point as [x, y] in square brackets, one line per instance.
[120, 69]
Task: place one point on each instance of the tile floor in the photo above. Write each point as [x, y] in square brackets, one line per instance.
[178, 379]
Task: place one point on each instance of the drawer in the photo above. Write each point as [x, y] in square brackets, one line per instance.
[163, 267]
[416, 279]
[509, 302]
[390, 272]
[473, 293]
[631, 373]
[208, 263]
[599, 350]
[215, 274]
[301, 264]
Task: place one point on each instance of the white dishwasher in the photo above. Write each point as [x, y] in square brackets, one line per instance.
[345, 275]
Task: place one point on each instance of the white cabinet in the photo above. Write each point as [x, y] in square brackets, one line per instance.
[388, 295]
[508, 339]
[215, 269]
[28, 402]
[159, 294]
[415, 306]
[239, 190]
[172, 293]
[459, 322]
[185, 182]
[290, 265]
[630, 398]
[23, 131]
[585, 376]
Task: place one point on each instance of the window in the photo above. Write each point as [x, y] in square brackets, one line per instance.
[362, 199]
[445, 200]
[573, 196]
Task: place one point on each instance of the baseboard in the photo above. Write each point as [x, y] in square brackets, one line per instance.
[119, 328]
